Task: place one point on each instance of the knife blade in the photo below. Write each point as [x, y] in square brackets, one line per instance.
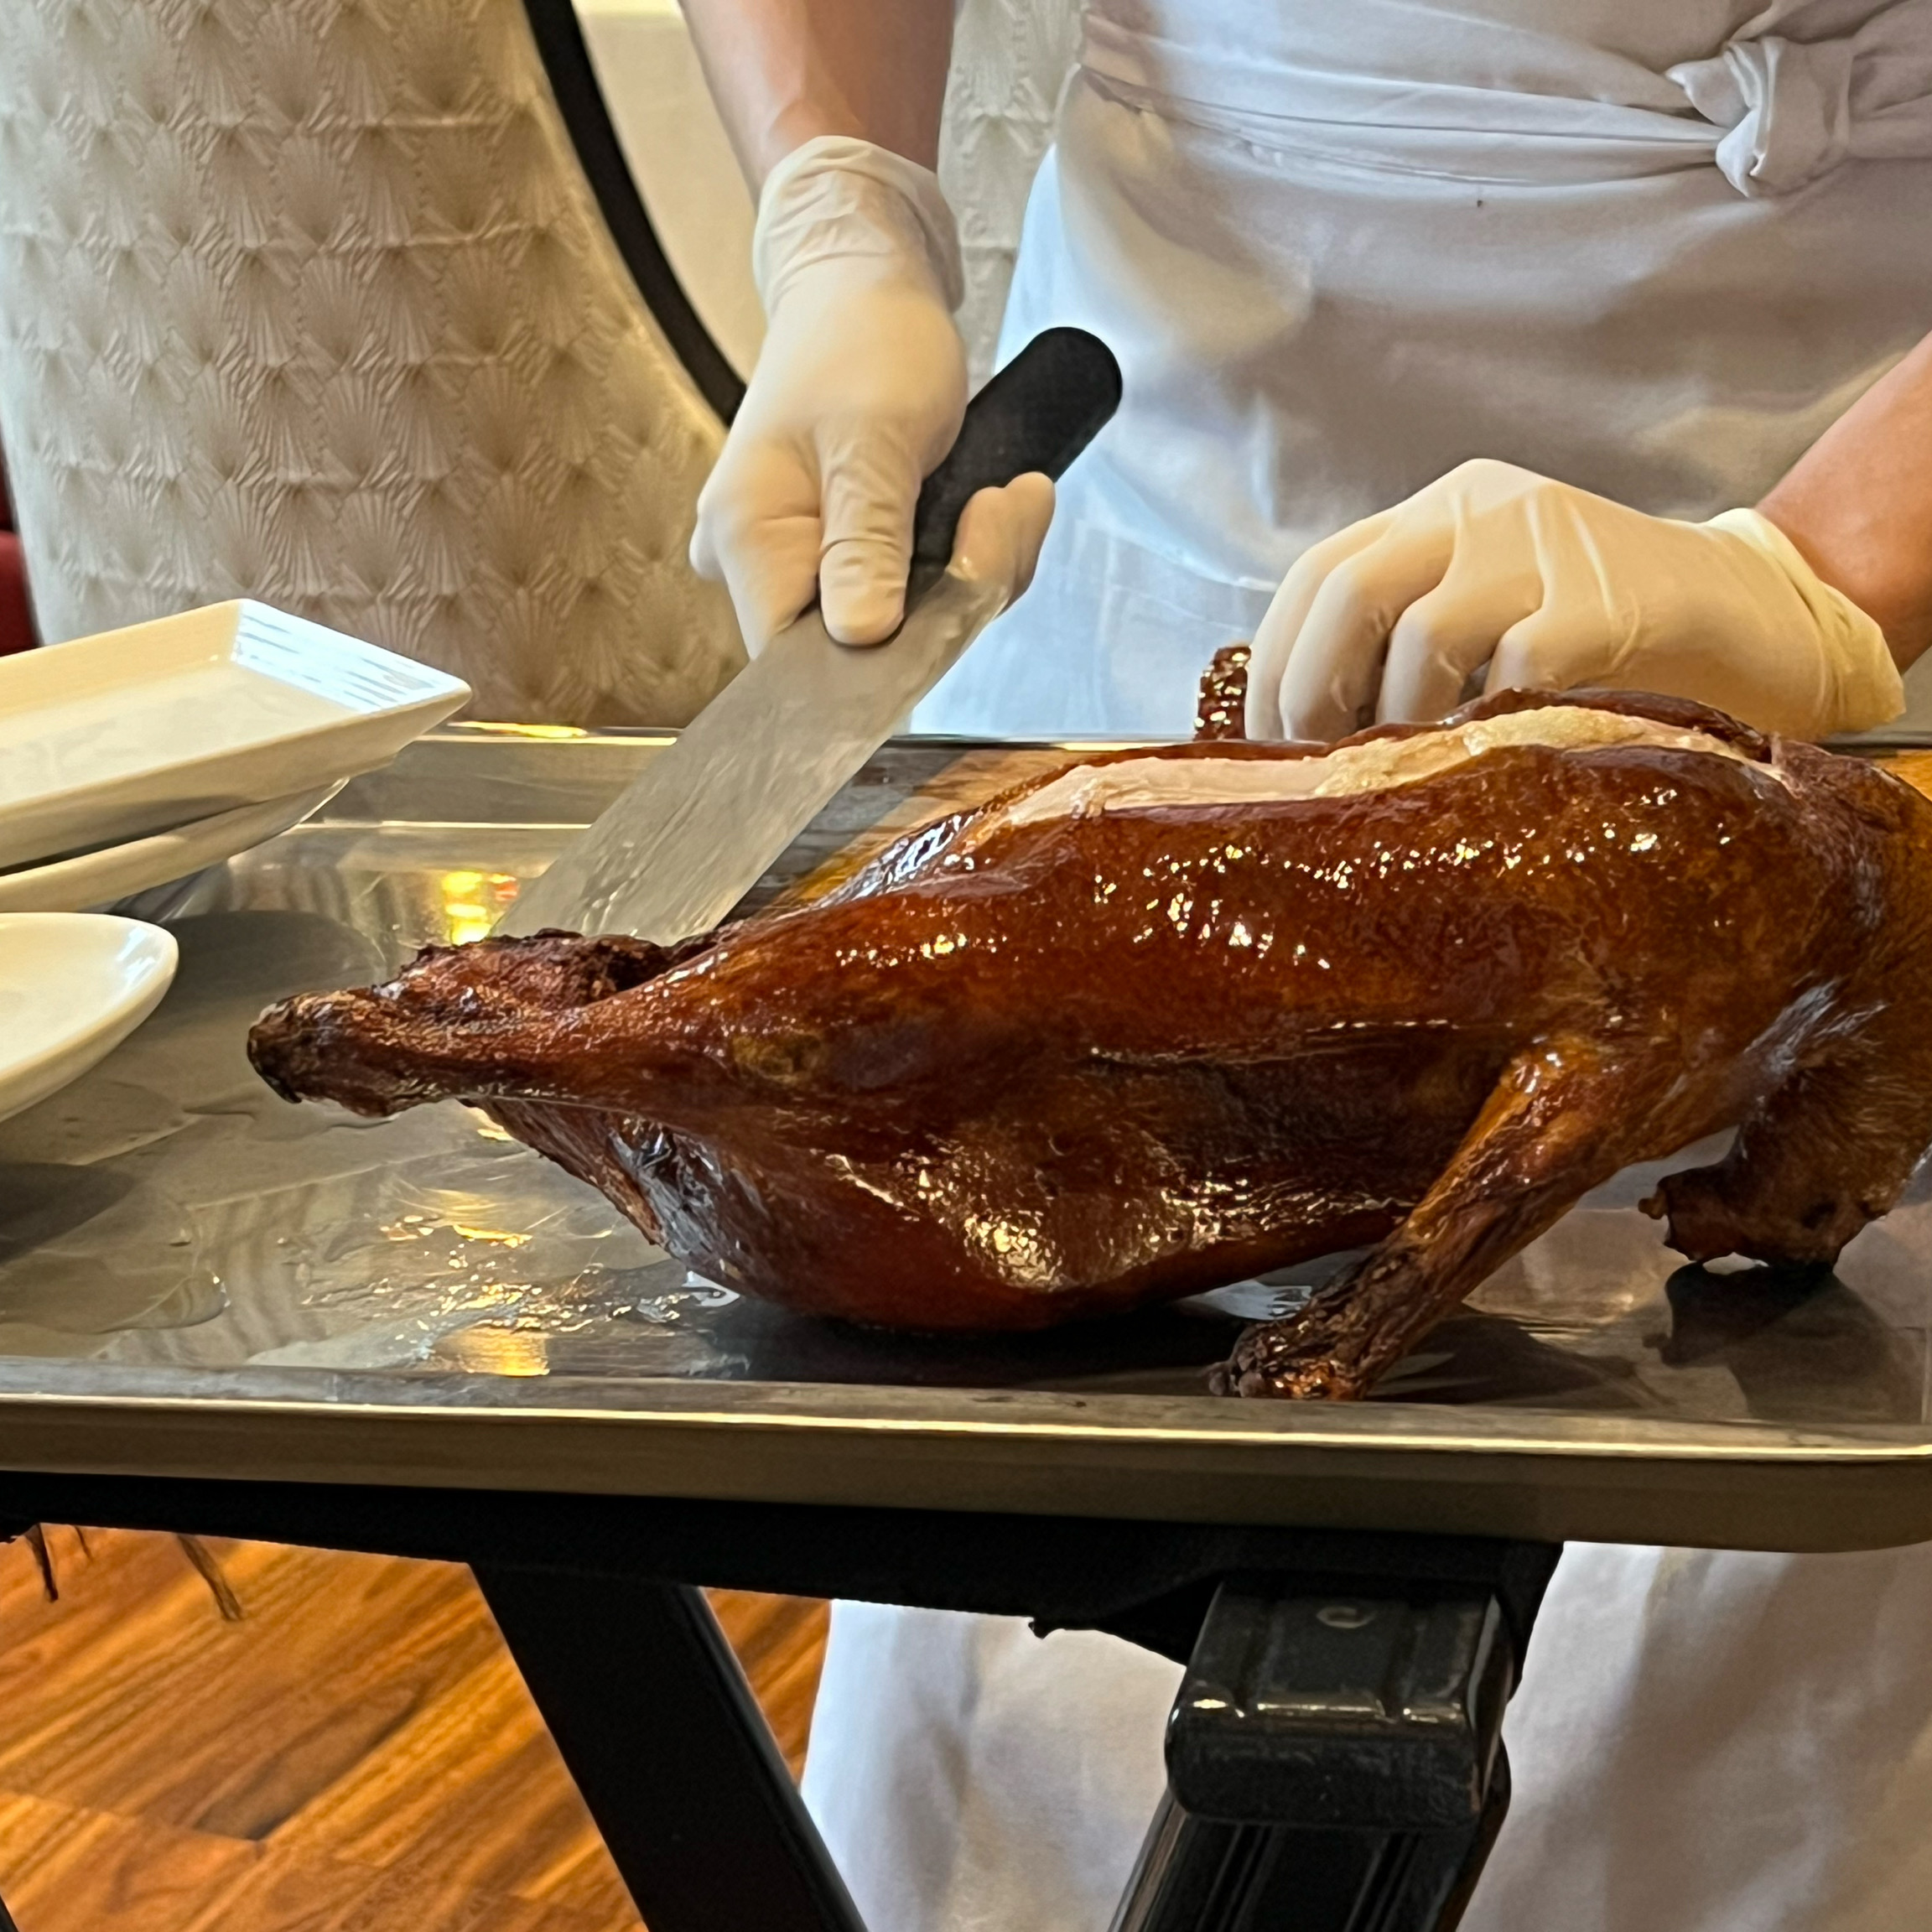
[696, 830]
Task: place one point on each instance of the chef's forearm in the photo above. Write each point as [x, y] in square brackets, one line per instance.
[784, 71]
[1859, 504]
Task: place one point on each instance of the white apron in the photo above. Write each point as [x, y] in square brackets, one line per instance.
[1652, 248]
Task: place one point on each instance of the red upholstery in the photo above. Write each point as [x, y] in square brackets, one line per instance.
[15, 620]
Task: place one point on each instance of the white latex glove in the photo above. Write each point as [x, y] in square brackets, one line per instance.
[1555, 589]
[1000, 532]
[857, 395]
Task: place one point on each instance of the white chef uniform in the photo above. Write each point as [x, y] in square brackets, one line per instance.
[1648, 247]
[1652, 248]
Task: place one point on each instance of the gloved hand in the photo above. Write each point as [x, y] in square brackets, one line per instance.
[1553, 588]
[858, 393]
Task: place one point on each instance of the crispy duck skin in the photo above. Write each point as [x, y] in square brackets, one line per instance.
[1079, 1049]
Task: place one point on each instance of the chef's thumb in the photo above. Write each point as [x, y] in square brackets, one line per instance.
[866, 547]
[1001, 530]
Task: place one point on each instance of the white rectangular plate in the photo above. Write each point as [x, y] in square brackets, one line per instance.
[135, 730]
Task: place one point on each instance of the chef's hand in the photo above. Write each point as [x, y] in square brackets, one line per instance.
[858, 393]
[1552, 588]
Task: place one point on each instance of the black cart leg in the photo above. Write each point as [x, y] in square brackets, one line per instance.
[1335, 1761]
[1202, 1875]
[660, 1730]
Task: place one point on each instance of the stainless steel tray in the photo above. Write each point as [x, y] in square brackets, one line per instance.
[196, 1279]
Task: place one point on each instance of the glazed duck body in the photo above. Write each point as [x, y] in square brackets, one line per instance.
[1172, 1018]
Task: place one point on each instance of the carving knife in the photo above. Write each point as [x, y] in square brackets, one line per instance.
[696, 830]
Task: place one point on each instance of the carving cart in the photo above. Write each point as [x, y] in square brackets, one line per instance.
[221, 1315]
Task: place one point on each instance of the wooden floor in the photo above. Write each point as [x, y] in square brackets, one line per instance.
[357, 1754]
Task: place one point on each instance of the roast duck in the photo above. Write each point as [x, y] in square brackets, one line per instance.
[1170, 1018]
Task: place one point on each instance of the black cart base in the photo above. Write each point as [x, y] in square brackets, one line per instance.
[1334, 1755]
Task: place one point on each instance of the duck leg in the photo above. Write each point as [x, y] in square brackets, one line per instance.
[1562, 1119]
[1826, 1152]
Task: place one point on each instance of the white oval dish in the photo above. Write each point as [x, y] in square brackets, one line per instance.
[73, 986]
[100, 878]
[106, 738]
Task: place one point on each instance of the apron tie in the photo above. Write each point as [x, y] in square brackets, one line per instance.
[1773, 113]
[1794, 110]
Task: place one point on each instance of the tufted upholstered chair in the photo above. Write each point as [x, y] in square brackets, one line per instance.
[1011, 60]
[310, 300]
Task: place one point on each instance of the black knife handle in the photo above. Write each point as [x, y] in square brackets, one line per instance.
[1039, 413]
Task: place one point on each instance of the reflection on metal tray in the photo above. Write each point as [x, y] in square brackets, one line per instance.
[197, 1278]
